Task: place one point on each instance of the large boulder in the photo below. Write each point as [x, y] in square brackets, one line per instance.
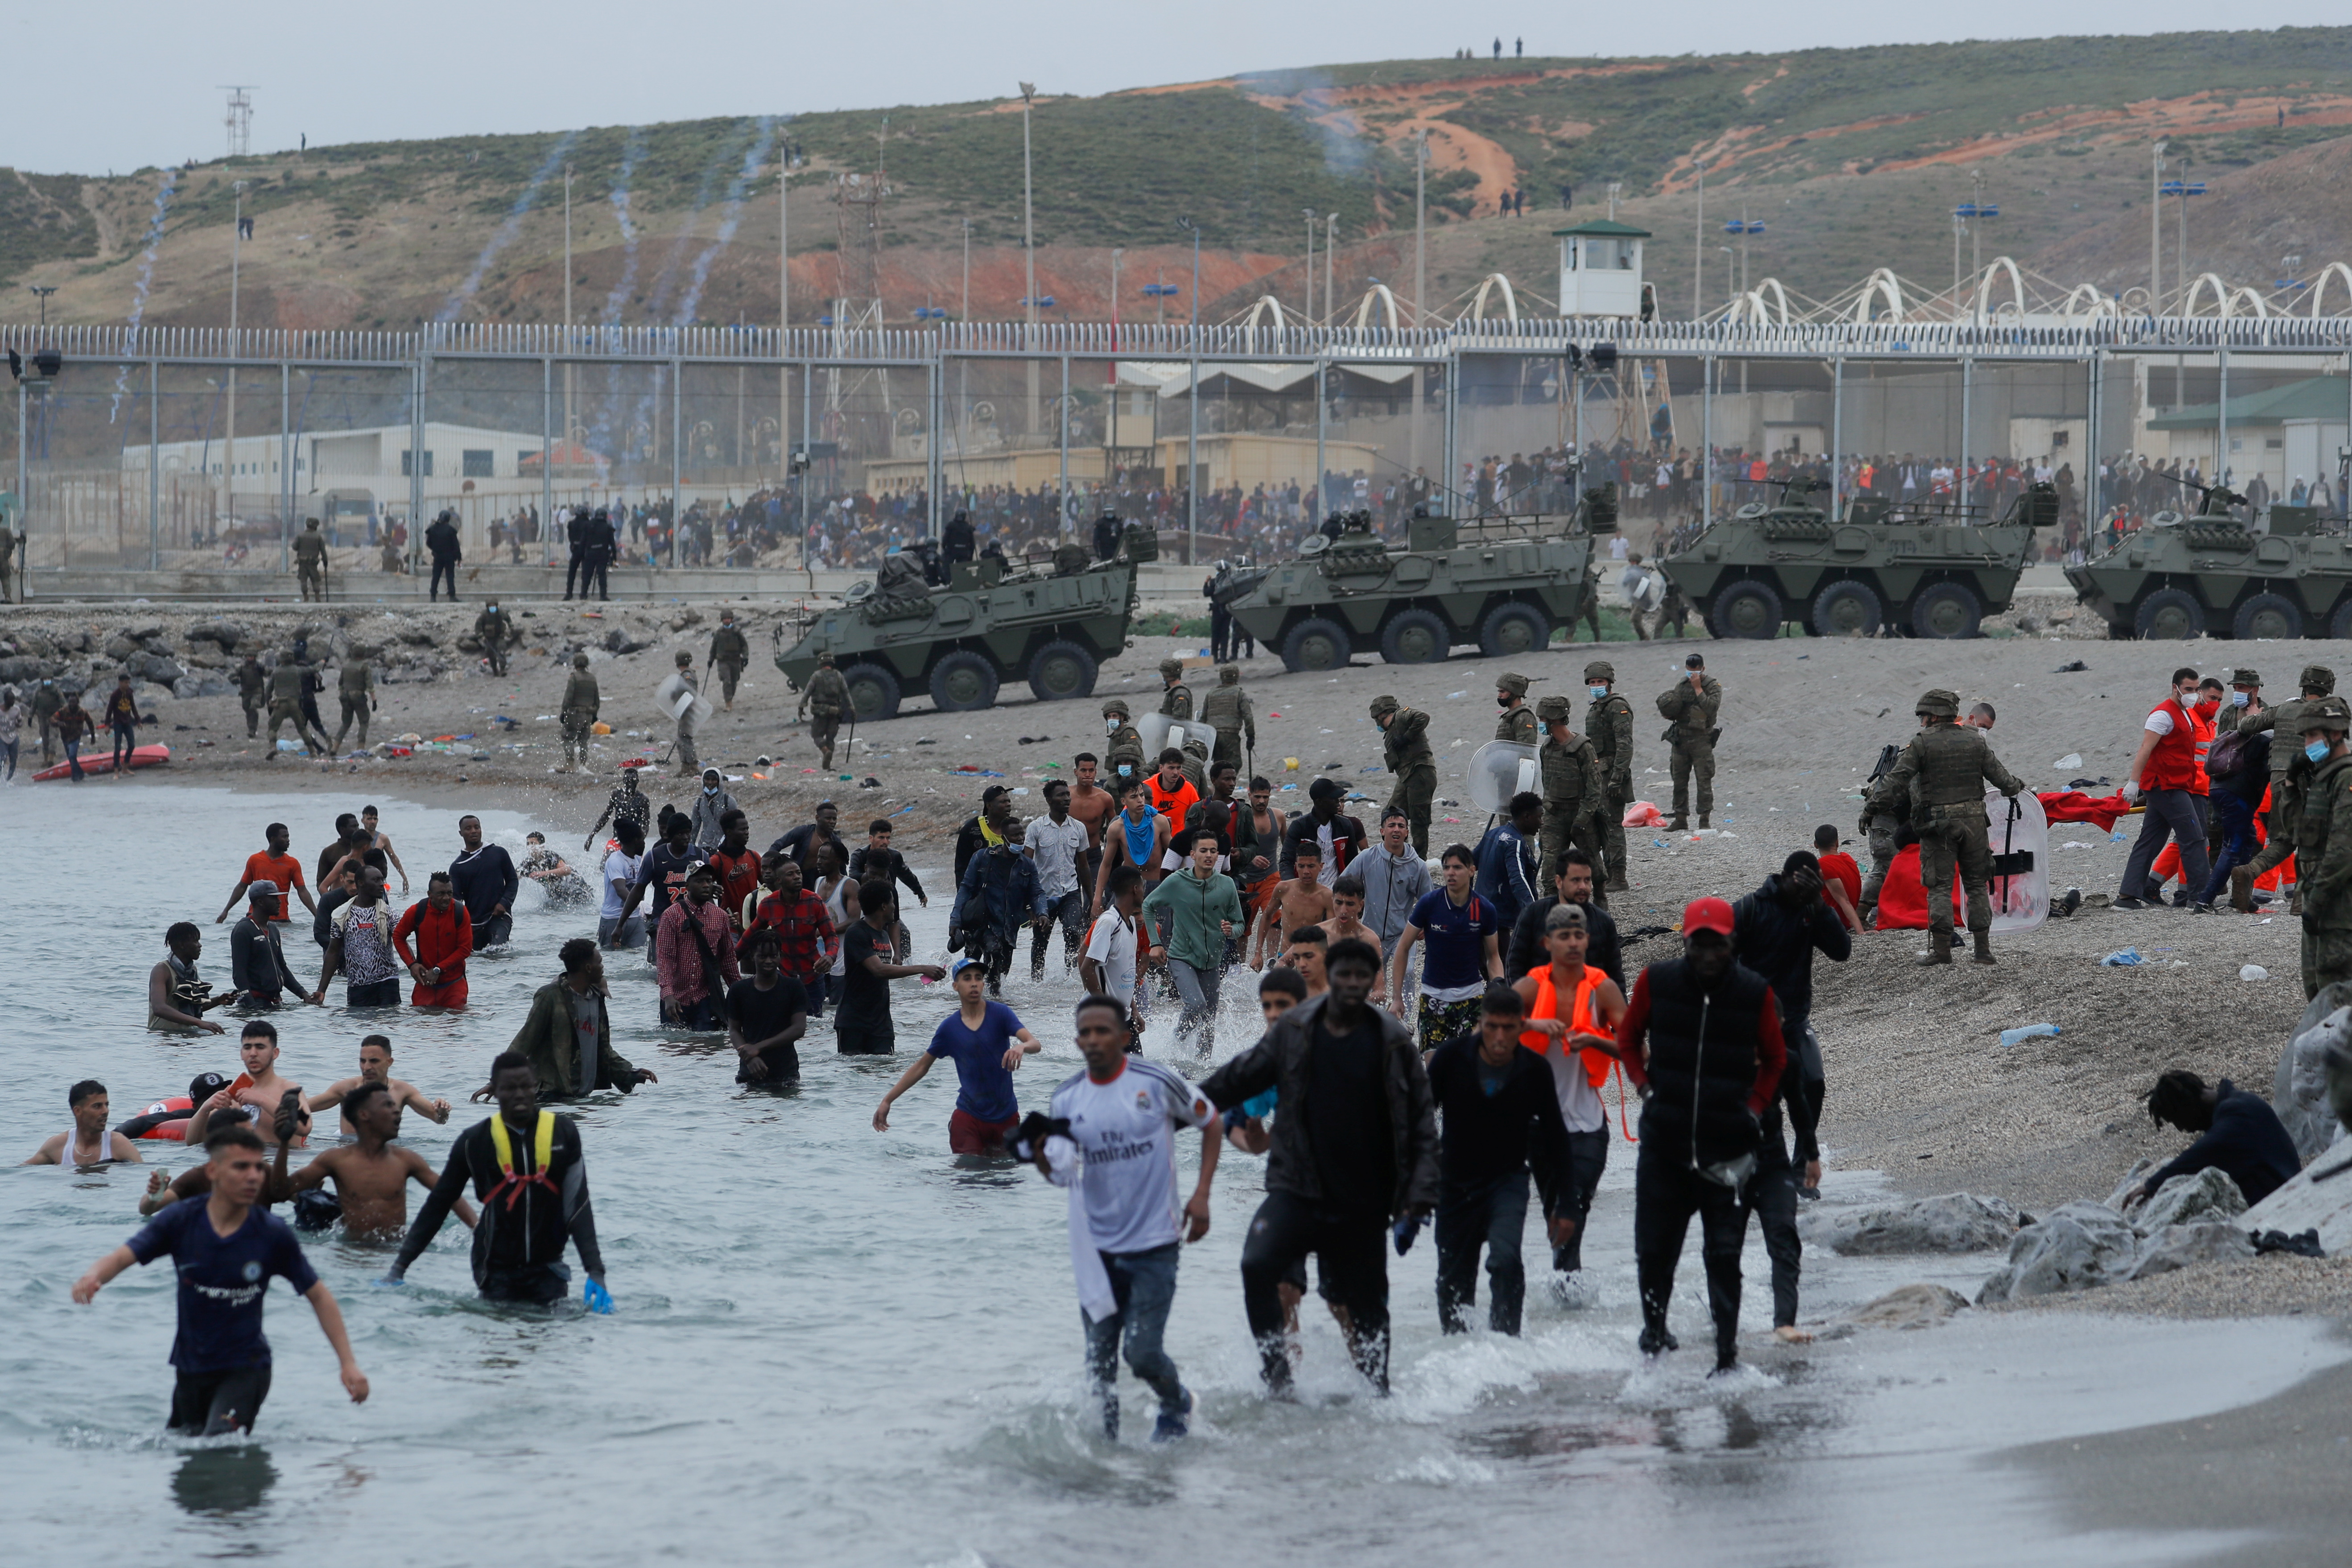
[2209, 1195]
[189, 685]
[2299, 1086]
[226, 634]
[120, 647]
[1955, 1221]
[155, 666]
[2081, 1247]
[1908, 1307]
[24, 669]
[2187, 1246]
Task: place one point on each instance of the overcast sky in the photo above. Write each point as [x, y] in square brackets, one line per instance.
[135, 83]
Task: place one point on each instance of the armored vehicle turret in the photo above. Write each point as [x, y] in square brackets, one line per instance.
[1914, 572]
[1506, 584]
[1051, 625]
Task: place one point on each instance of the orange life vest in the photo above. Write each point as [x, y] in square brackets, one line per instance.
[1584, 1008]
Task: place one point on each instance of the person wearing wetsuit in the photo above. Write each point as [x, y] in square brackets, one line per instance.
[531, 1180]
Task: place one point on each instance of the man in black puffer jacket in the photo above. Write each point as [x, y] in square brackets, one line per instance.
[1701, 1039]
[1776, 931]
[1355, 1147]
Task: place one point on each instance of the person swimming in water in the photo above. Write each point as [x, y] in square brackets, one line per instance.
[371, 1176]
[88, 1142]
[375, 1066]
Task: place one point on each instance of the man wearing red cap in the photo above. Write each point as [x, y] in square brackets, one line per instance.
[1701, 1037]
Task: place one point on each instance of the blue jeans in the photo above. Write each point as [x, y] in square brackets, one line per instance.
[1143, 1284]
[2237, 845]
[702, 1014]
[73, 759]
[1492, 1215]
[1197, 988]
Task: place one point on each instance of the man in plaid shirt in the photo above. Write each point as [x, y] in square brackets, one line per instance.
[692, 995]
[806, 936]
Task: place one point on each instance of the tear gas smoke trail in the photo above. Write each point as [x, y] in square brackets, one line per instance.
[507, 230]
[146, 276]
[730, 215]
[643, 414]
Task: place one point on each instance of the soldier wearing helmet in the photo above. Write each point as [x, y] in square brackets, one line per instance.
[1176, 700]
[1943, 773]
[1609, 724]
[2324, 848]
[2290, 772]
[1518, 724]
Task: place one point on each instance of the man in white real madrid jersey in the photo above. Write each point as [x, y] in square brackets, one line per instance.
[1110, 1139]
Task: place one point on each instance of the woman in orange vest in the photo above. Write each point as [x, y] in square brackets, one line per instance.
[1572, 1016]
[444, 934]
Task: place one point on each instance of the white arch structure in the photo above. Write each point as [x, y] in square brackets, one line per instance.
[1983, 308]
[1378, 291]
[1265, 303]
[2095, 305]
[2319, 285]
[1880, 284]
[2220, 292]
[1486, 286]
[2260, 307]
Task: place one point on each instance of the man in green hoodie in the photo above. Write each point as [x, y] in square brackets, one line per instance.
[1190, 914]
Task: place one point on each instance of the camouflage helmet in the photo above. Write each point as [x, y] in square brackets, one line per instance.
[825, 657]
[1552, 709]
[578, 661]
[2317, 677]
[1116, 708]
[1512, 682]
[1600, 669]
[1171, 668]
[1384, 705]
[1229, 675]
[1939, 703]
[2243, 676]
[2326, 713]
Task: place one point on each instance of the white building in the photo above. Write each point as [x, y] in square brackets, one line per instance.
[379, 458]
[1600, 269]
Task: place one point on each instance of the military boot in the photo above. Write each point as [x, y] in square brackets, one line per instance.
[1680, 824]
[1984, 947]
[824, 759]
[1703, 822]
[2241, 889]
[1617, 883]
[1939, 951]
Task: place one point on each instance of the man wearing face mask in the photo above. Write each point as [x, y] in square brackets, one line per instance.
[1126, 747]
[2163, 774]
[2324, 847]
[710, 808]
[2288, 769]
[1943, 773]
[2245, 700]
[1608, 725]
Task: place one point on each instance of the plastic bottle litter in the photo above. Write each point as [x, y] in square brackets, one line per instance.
[2071, 760]
[2125, 959]
[2029, 1032]
[2253, 972]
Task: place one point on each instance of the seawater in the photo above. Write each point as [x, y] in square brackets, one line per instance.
[832, 1345]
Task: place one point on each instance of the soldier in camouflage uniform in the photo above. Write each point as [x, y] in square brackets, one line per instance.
[827, 698]
[1943, 773]
[310, 559]
[2324, 843]
[730, 653]
[2244, 702]
[1176, 701]
[286, 705]
[1692, 704]
[355, 684]
[1883, 816]
[582, 701]
[253, 690]
[1517, 722]
[1227, 710]
[494, 630]
[2289, 769]
[1609, 724]
[1574, 790]
[1125, 764]
[1404, 746]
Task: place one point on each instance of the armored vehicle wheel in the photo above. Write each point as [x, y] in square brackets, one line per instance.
[1062, 670]
[1749, 610]
[963, 681]
[2267, 615]
[1946, 610]
[1509, 630]
[1846, 610]
[873, 692]
[1415, 637]
[2340, 624]
[1315, 644]
[2169, 614]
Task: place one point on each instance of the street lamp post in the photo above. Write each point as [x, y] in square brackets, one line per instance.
[228, 433]
[1330, 243]
[1420, 238]
[1028, 255]
[2184, 189]
[1189, 224]
[2156, 229]
[1309, 213]
[1698, 242]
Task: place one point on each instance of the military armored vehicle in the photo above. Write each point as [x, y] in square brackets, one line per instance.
[2209, 573]
[1882, 567]
[987, 624]
[1506, 584]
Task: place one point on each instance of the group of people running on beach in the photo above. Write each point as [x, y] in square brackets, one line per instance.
[1384, 1094]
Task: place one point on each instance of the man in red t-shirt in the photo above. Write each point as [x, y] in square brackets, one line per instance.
[737, 863]
[276, 867]
[2163, 774]
[1840, 873]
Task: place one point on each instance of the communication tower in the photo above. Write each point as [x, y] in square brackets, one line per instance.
[239, 119]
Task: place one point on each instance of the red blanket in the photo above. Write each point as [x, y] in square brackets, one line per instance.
[1903, 901]
[2073, 805]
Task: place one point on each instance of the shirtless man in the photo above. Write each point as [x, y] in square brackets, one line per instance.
[1303, 900]
[1092, 804]
[371, 1176]
[89, 1142]
[1347, 916]
[384, 842]
[1123, 837]
[258, 1087]
[1304, 952]
[375, 1066]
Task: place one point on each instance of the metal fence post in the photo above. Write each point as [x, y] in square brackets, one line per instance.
[1709, 368]
[1837, 432]
[154, 468]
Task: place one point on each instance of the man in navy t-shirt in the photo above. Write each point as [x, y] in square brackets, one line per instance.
[986, 1042]
[226, 1250]
[1460, 928]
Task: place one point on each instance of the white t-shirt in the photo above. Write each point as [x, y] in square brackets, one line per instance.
[620, 875]
[1111, 943]
[1127, 1130]
[1057, 849]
